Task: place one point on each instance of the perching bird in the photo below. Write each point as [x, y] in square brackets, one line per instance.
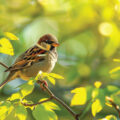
[40, 57]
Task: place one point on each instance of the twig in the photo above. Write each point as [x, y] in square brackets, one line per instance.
[3, 65]
[76, 116]
[52, 96]
[27, 104]
[114, 105]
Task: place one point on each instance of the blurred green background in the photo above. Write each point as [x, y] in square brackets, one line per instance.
[89, 36]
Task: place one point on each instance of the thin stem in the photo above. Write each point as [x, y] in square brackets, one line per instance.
[114, 105]
[26, 104]
[3, 65]
[59, 100]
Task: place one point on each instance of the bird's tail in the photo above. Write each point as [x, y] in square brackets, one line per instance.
[9, 78]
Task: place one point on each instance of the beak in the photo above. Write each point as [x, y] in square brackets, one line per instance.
[55, 44]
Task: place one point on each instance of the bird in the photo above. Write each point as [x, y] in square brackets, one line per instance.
[40, 57]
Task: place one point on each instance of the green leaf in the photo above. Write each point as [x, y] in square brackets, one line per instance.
[10, 36]
[95, 93]
[41, 113]
[109, 117]
[51, 79]
[5, 109]
[20, 112]
[27, 88]
[112, 88]
[54, 75]
[96, 107]
[50, 105]
[14, 96]
[6, 47]
[80, 96]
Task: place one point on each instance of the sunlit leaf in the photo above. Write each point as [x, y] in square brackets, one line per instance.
[80, 96]
[115, 70]
[95, 93]
[14, 96]
[11, 36]
[6, 47]
[41, 113]
[109, 117]
[5, 109]
[27, 88]
[57, 76]
[50, 105]
[20, 112]
[51, 79]
[96, 107]
[116, 60]
[97, 84]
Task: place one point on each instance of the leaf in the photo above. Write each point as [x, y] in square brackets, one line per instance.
[97, 84]
[116, 60]
[20, 112]
[114, 70]
[54, 75]
[52, 80]
[96, 107]
[41, 113]
[27, 88]
[14, 96]
[112, 88]
[80, 97]
[109, 117]
[50, 105]
[10, 36]
[5, 109]
[95, 93]
[6, 47]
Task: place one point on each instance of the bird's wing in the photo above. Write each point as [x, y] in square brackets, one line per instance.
[28, 58]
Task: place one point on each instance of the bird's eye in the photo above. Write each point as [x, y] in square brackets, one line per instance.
[46, 41]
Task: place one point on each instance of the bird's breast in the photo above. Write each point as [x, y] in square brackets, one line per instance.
[46, 65]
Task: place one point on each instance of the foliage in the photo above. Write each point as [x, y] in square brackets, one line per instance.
[16, 102]
[5, 45]
[88, 32]
[96, 96]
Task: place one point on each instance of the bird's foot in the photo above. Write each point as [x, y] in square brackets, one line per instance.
[42, 83]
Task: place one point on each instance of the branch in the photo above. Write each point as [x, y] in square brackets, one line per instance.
[26, 104]
[52, 96]
[114, 105]
[59, 100]
[3, 65]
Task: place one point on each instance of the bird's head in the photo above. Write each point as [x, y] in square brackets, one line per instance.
[47, 42]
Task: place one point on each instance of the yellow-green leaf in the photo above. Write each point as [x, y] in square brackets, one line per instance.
[116, 60]
[80, 97]
[50, 105]
[110, 117]
[20, 112]
[95, 93]
[96, 107]
[54, 75]
[97, 84]
[41, 113]
[6, 47]
[52, 80]
[11, 36]
[27, 88]
[5, 109]
[14, 96]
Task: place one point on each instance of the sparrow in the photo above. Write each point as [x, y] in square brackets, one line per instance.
[40, 57]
